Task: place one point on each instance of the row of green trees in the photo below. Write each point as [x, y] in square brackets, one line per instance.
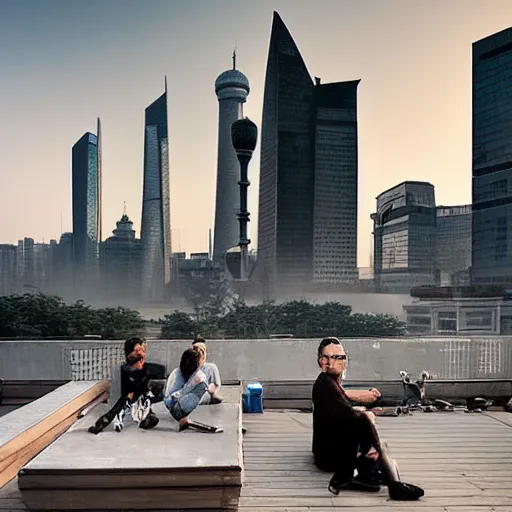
[299, 318]
[44, 316]
[217, 315]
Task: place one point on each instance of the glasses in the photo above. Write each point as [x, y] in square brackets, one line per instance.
[338, 357]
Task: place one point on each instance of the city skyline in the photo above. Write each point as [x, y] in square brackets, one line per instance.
[404, 91]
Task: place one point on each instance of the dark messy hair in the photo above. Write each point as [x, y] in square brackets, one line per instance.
[189, 363]
[331, 340]
[130, 344]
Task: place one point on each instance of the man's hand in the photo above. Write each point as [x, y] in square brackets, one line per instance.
[373, 454]
[376, 393]
[363, 396]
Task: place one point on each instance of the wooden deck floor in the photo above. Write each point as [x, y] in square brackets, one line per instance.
[464, 462]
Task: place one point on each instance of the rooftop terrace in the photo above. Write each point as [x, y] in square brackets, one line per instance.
[464, 461]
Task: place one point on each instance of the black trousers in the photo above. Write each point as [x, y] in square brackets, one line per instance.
[107, 418]
[344, 459]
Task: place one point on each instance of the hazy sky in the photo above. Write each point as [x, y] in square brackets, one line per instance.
[65, 62]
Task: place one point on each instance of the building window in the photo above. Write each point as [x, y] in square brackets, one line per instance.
[447, 321]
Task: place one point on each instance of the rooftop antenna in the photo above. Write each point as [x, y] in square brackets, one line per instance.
[124, 207]
[234, 56]
[165, 83]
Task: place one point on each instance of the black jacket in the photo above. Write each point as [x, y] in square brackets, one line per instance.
[336, 426]
[134, 381]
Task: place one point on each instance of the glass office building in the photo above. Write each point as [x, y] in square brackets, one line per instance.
[404, 233]
[492, 160]
[156, 216]
[307, 226]
[86, 178]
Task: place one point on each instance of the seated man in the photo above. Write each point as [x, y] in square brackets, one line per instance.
[136, 396]
[182, 396]
[345, 439]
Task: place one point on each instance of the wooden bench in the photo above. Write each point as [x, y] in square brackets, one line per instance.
[29, 429]
[159, 469]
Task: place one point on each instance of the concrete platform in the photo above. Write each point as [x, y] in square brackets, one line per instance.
[160, 469]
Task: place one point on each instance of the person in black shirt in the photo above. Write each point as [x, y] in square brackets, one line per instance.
[135, 391]
[345, 439]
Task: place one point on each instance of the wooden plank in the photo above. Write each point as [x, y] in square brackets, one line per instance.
[417, 507]
[225, 498]
[365, 500]
[136, 479]
[431, 492]
[21, 448]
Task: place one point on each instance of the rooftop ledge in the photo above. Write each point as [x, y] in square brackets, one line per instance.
[475, 357]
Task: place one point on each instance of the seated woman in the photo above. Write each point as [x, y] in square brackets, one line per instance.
[212, 374]
[185, 389]
[345, 440]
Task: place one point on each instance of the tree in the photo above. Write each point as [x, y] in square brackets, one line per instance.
[178, 325]
[44, 316]
[299, 318]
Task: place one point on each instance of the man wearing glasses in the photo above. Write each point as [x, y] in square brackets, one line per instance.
[345, 439]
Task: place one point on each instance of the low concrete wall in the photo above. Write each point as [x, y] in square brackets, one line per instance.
[293, 359]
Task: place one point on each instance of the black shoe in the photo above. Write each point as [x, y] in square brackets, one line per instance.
[98, 426]
[149, 422]
[400, 491]
[202, 427]
[244, 430]
[215, 399]
[354, 484]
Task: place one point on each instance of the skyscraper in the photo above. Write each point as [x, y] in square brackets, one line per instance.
[307, 227]
[492, 160]
[86, 178]
[232, 88]
[156, 215]
[335, 199]
[404, 230]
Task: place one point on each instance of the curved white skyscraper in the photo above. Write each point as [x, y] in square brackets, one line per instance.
[232, 88]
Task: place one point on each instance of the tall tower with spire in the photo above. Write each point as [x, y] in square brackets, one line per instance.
[232, 89]
[156, 211]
